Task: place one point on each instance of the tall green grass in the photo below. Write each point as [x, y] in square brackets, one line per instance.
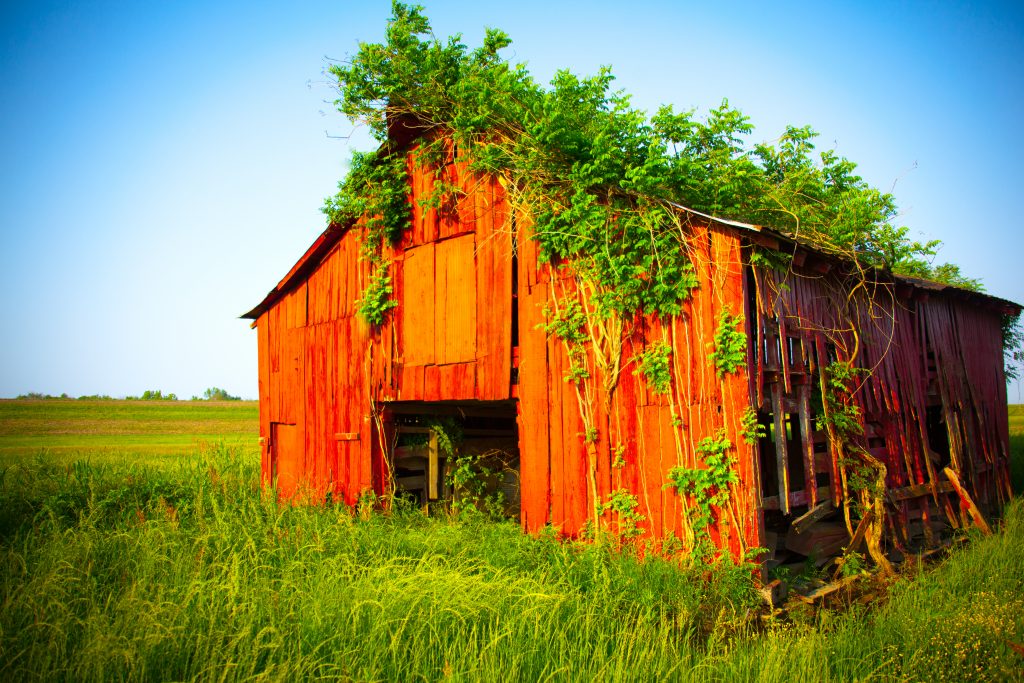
[195, 572]
[116, 564]
[132, 572]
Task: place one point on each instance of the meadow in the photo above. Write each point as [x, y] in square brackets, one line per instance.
[141, 547]
[114, 431]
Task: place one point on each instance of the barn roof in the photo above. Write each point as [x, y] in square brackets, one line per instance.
[771, 238]
[306, 264]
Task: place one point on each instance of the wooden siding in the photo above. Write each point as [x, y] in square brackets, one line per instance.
[654, 433]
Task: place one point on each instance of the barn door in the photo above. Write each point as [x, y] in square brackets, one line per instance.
[285, 456]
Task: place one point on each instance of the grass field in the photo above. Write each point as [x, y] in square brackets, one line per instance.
[1017, 447]
[114, 431]
[177, 566]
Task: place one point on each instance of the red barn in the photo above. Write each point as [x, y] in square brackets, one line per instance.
[467, 340]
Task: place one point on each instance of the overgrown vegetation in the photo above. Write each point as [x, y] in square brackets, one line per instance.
[751, 427]
[1013, 346]
[706, 490]
[653, 365]
[862, 476]
[624, 505]
[475, 492]
[600, 178]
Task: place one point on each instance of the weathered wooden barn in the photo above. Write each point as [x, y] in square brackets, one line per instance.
[467, 340]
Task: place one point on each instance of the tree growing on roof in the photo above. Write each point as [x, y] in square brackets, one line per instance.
[595, 169]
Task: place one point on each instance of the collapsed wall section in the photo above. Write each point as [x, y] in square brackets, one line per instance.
[929, 394]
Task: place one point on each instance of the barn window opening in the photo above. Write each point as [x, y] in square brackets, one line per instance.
[938, 436]
[455, 455]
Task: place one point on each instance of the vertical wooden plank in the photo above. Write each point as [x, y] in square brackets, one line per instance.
[455, 382]
[557, 397]
[534, 413]
[781, 448]
[672, 508]
[821, 354]
[274, 361]
[807, 444]
[576, 473]
[415, 235]
[441, 255]
[494, 295]
[419, 336]
[415, 385]
[312, 383]
[624, 434]
[287, 441]
[455, 325]
[432, 468]
[432, 390]
[263, 362]
[651, 469]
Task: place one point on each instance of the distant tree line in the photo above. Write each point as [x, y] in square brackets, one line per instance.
[211, 394]
[216, 394]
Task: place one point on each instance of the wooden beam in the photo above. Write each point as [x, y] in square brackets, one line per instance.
[498, 409]
[811, 516]
[796, 499]
[781, 449]
[432, 467]
[979, 520]
[918, 491]
[827, 589]
[763, 240]
[860, 532]
[807, 445]
[346, 436]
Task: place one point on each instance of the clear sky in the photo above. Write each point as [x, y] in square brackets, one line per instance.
[163, 164]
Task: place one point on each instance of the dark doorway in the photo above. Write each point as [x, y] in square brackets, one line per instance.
[455, 454]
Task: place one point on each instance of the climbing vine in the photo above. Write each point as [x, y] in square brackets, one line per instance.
[570, 325]
[653, 365]
[624, 504]
[375, 191]
[376, 299]
[472, 479]
[750, 427]
[706, 488]
[729, 353]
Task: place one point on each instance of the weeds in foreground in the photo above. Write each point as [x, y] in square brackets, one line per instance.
[122, 572]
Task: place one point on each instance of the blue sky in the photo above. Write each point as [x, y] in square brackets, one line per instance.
[163, 166]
